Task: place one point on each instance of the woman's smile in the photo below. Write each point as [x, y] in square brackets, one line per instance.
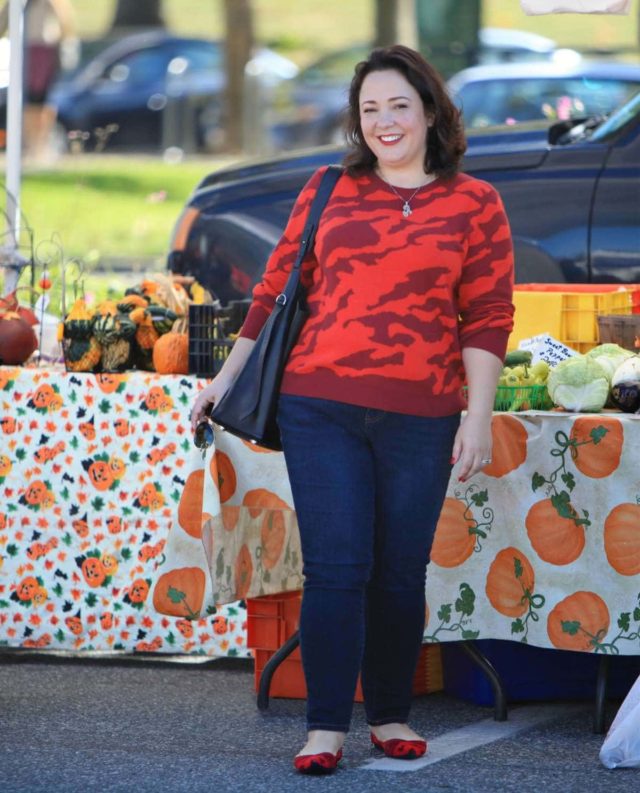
[394, 125]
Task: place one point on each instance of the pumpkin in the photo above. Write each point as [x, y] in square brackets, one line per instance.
[35, 492]
[243, 572]
[180, 592]
[622, 538]
[110, 564]
[190, 506]
[106, 621]
[185, 627]
[109, 382]
[171, 354]
[509, 448]
[27, 588]
[93, 571]
[578, 622]
[223, 473]
[17, 339]
[260, 498]
[272, 537]
[100, 474]
[74, 624]
[600, 459]
[220, 625]
[138, 591]
[43, 395]
[114, 524]
[8, 424]
[510, 582]
[556, 539]
[454, 539]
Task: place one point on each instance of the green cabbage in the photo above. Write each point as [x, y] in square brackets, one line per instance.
[579, 383]
[609, 356]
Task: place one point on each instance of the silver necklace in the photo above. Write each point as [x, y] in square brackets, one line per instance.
[406, 202]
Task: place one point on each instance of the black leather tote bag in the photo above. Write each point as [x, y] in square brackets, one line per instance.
[248, 409]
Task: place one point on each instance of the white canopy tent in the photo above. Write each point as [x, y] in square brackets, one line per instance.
[10, 257]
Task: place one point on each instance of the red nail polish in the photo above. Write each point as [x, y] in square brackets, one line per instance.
[452, 461]
[461, 479]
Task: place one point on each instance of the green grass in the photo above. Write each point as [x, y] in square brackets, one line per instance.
[109, 207]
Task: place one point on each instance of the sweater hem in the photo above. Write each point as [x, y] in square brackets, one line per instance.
[377, 393]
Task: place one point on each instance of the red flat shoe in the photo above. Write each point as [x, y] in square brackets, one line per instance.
[317, 764]
[399, 748]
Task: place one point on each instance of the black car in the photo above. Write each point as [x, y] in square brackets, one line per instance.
[571, 192]
[154, 90]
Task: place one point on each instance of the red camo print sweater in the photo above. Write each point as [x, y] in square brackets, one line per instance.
[393, 300]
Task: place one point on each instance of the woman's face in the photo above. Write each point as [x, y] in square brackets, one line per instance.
[393, 121]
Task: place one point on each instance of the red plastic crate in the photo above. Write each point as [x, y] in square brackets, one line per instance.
[272, 619]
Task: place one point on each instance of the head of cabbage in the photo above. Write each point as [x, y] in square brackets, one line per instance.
[579, 383]
[609, 356]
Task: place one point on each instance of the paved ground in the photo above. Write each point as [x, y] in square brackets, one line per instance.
[137, 726]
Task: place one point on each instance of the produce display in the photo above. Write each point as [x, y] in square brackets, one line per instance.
[146, 329]
[607, 375]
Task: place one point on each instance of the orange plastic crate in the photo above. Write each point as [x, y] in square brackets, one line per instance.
[273, 619]
[288, 680]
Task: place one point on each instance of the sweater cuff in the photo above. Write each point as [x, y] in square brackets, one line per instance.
[254, 322]
[492, 340]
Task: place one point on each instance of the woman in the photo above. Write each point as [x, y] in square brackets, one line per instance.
[410, 288]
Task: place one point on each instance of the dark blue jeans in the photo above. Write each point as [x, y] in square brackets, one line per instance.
[368, 486]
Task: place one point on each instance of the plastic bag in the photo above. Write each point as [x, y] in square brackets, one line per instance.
[621, 747]
[532, 7]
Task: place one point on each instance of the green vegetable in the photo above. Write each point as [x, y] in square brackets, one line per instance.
[579, 383]
[518, 357]
[609, 356]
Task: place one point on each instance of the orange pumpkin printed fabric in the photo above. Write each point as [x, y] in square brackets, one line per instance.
[92, 469]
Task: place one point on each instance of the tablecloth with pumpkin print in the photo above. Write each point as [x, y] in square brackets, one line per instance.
[92, 468]
[542, 547]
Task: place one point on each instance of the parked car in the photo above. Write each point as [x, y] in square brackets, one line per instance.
[571, 192]
[153, 90]
[512, 93]
[309, 109]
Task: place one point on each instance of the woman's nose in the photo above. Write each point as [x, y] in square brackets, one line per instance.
[386, 119]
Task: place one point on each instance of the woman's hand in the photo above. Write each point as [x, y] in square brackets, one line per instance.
[472, 445]
[210, 394]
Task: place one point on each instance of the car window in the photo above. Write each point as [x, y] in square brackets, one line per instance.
[141, 67]
[512, 101]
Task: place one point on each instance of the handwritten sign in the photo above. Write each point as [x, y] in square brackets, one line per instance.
[545, 348]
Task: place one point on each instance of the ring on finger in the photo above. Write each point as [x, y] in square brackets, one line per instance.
[486, 461]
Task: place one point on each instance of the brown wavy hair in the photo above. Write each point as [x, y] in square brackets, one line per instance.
[446, 141]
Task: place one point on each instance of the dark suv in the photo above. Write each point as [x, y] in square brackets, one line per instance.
[571, 192]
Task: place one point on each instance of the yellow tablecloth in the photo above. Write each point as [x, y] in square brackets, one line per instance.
[542, 547]
[91, 472]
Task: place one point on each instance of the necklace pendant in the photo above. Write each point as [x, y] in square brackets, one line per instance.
[406, 209]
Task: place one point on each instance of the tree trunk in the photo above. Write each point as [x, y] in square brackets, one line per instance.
[386, 22]
[239, 44]
[137, 14]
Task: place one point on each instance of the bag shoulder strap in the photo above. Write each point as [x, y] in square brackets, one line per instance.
[325, 188]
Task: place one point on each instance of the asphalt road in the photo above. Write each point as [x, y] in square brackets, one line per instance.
[83, 725]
